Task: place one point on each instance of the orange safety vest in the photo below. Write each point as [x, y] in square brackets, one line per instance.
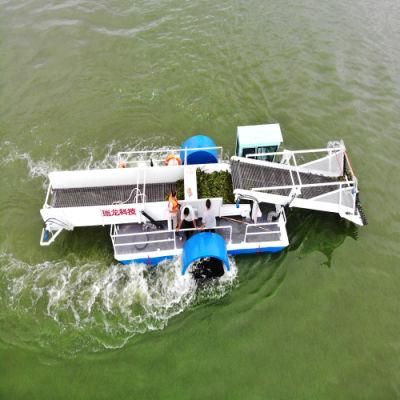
[173, 204]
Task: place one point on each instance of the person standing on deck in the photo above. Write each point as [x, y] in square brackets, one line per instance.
[173, 207]
[209, 221]
[187, 221]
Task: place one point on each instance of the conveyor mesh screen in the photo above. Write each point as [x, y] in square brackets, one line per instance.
[247, 176]
[108, 195]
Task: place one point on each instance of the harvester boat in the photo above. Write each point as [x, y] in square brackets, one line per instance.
[258, 184]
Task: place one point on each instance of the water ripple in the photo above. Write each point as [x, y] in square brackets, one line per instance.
[104, 305]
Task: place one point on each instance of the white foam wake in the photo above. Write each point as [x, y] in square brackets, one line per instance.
[108, 303]
[36, 168]
[87, 157]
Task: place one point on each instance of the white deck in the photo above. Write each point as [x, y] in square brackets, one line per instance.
[131, 242]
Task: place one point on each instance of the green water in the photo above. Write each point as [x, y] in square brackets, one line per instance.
[82, 80]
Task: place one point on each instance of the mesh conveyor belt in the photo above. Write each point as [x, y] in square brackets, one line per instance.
[107, 195]
[247, 176]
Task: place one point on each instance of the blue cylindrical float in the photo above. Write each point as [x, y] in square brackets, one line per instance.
[194, 152]
[202, 245]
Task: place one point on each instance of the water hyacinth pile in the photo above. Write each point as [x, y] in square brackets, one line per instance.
[216, 184]
[180, 190]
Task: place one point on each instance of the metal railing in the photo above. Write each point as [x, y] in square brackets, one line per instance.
[217, 228]
[130, 158]
[168, 236]
[342, 185]
[49, 192]
[262, 230]
[340, 194]
[304, 185]
[329, 150]
[143, 239]
[291, 161]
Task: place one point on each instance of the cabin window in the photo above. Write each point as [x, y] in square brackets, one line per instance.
[248, 150]
[266, 149]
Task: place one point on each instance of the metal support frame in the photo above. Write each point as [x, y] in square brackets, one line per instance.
[263, 232]
[123, 156]
[343, 186]
[114, 235]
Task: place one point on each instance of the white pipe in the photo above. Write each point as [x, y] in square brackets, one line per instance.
[280, 153]
[168, 150]
[297, 170]
[306, 185]
[47, 197]
[146, 242]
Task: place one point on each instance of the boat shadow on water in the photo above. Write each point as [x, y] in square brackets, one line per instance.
[311, 231]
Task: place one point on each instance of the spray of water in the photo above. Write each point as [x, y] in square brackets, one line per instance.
[92, 158]
[39, 168]
[105, 304]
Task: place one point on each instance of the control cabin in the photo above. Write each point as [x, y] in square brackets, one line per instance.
[258, 139]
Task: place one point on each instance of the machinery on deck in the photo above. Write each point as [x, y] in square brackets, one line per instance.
[133, 197]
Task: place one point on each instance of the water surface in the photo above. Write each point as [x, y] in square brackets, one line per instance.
[82, 80]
